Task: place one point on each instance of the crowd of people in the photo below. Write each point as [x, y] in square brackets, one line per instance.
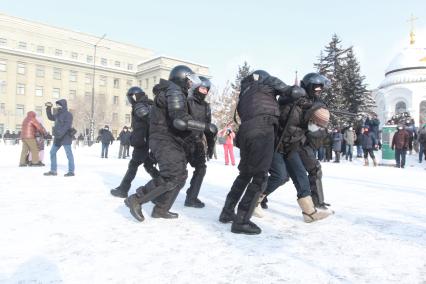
[283, 136]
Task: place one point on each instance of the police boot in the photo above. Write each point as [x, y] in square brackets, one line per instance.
[163, 205]
[159, 213]
[196, 203]
[119, 192]
[243, 225]
[134, 204]
[310, 213]
[228, 212]
[194, 189]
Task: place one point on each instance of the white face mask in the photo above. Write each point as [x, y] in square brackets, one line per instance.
[313, 127]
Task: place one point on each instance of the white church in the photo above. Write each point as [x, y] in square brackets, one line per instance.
[404, 86]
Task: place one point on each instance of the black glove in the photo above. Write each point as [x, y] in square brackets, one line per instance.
[210, 151]
[211, 128]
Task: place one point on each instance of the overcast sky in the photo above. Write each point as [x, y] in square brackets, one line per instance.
[277, 36]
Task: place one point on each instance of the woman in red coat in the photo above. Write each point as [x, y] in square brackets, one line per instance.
[29, 127]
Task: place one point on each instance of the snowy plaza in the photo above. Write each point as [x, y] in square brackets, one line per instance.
[71, 230]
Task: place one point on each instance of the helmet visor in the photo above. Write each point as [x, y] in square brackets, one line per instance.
[193, 80]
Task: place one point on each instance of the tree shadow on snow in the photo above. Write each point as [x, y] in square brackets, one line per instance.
[36, 270]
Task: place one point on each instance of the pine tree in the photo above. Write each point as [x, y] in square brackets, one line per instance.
[357, 97]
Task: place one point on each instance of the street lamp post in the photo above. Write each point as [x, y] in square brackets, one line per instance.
[92, 109]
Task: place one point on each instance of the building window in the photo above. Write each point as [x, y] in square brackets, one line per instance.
[40, 49]
[127, 119]
[129, 66]
[88, 78]
[117, 64]
[3, 41]
[22, 45]
[89, 59]
[115, 100]
[57, 73]
[56, 93]
[155, 80]
[129, 83]
[400, 107]
[102, 81]
[2, 87]
[104, 61]
[40, 71]
[20, 110]
[39, 110]
[18, 127]
[21, 68]
[116, 83]
[2, 108]
[58, 52]
[74, 55]
[73, 94]
[20, 89]
[73, 76]
[140, 83]
[146, 83]
[115, 116]
[39, 91]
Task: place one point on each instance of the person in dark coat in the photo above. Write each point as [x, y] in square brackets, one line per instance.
[369, 143]
[106, 138]
[421, 138]
[124, 138]
[400, 143]
[62, 132]
[170, 126]
[259, 113]
[199, 109]
[138, 138]
[328, 146]
[337, 138]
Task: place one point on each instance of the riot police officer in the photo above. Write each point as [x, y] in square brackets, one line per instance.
[199, 109]
[141, 107]
[258, 110]
[170, 125]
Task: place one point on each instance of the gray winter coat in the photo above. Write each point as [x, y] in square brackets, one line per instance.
[63, 123]
[349, 137]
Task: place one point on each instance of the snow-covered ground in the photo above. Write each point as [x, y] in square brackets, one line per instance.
[71, 230]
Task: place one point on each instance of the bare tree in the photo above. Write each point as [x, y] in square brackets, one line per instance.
[80, 107]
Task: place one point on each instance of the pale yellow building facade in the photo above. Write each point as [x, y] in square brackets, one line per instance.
[41, 63]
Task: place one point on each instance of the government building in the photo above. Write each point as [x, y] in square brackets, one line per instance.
[41, 63]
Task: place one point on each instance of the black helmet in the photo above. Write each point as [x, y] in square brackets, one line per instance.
[135, 91]
[259, 75]
[311, 80]
[181, 75]
[205, 82]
